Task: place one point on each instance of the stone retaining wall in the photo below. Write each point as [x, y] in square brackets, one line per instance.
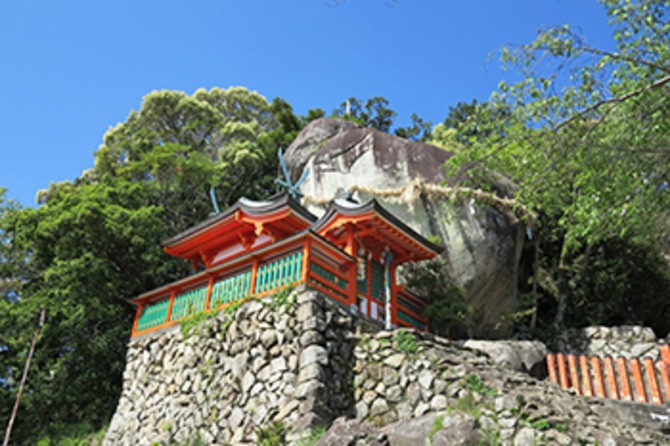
[629, 341]
[420, 389]
[238, 372]
[303, 364]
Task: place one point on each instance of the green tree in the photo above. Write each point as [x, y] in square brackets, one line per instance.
[375, 113]
[586, 140]
[420, 130]
[94, 242]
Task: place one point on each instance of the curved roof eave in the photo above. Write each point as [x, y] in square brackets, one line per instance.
[339, 206]
[248, 206]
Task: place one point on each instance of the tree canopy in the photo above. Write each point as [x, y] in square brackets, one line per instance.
[94, 242]
[585, 136]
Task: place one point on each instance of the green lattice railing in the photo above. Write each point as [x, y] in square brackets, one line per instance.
[377, 281]
[330, 277]
[231, 288]
[404, 303]
[188, 303]
[411, 320]
[153, 315]
[279, 272]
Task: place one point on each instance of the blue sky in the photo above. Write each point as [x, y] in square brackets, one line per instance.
[71, 69]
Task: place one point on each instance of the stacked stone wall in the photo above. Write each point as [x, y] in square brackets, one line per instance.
[628, 341]
[237, 372]
[419, 389]
[304, 361]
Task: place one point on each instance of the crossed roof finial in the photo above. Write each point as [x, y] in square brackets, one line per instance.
[293, 189]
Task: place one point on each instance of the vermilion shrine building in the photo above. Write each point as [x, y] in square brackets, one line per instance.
[254, 248]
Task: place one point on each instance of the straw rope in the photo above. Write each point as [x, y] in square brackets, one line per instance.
[413, 191]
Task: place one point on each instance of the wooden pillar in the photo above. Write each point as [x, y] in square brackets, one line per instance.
[209, 293]
[665, 356]
[306, 258]
[586, 376]
[611, 378]
[388, 292]
[352, 285]
[138, 313]
[169, 312]
[665, 377]
[350, 246]
[368, 285]
[394, 294]
[574, 376]
[551, 368]
[654, 388]
[637, 379]
[598, 375]
[254, 277]
[623, 377]
[562, 372]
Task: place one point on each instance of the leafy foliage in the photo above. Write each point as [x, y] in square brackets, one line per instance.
[569, 134]
[476, 385]
[420, 130]
[272, 435]
[95, 242]
[406, 342]
[447, 308]
[374, 113]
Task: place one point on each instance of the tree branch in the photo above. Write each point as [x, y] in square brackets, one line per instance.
[615, 100]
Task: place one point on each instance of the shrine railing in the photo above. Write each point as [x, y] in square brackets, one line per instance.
[408, 309]
[601, 377]
[303, 258]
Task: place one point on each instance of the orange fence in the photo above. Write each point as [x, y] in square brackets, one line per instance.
[596, 376]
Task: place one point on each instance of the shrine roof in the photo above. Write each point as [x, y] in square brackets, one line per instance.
[250, 207]
[385, 225]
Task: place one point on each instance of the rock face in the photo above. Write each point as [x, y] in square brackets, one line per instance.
[306, 364]
[483, 246]
[522, 356]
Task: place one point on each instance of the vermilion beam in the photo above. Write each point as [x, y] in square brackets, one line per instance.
[623, 377]
[637, 379]
[562, 373]
[598, 376]
[611, 378]
[586, 376]
[574, 375]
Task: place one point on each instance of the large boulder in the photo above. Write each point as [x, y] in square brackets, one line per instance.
[483, 247]
[522, 356]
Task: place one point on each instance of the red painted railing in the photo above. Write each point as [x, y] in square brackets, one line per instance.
[596, 376]
[408, 309]
[305, 258]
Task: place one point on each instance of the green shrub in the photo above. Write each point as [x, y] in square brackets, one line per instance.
[447, 307]
[283, 298]
[406, 342]
[314, 436]
[273, 435]
[78, 434]
[476, 385]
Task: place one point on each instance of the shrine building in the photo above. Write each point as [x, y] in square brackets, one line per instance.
[255, 248]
